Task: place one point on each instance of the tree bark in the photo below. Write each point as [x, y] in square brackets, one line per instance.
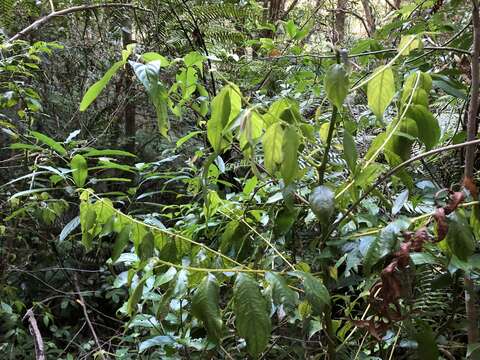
[339, 28]
[370, 19]
[129, 110]
[470, 295]
[37, 336]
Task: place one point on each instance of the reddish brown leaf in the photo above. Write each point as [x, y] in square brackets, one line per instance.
[442, 226]
[469, 184]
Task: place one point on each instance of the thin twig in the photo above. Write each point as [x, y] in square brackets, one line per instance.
[37, 336]
[43, 20]
[87, 318]
[391, 172]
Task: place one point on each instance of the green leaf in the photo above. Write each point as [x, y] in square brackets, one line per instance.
[160, 341]
[194, 58]
[225, 107]
[205, 307]
[285, 109]
[95, 90]
[428, 128]
[153, 56]
[49, 142]
[272, 142]
[251, 314]
[87, 221]
[381, 90]
[21, 146]
[336, 84]
[409, 43]
[135, 297]
[148, 74]
[146, 247]
[460, 239]
[187, 137]
[427, 348]
[349, 151]
[289, 166]
[385, 243]
[107, 152]
[284, 221]
[79, 167]
[315, 292]
[281, 293]
[251, 126]
[290, 28]
[121, 242]
[368, 175]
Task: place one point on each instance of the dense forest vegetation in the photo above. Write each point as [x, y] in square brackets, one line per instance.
[239, 179]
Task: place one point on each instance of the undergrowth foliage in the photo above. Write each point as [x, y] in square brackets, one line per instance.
[278, 197]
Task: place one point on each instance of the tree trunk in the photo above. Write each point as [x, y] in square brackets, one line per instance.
[470, 294]
[339, 28]
[129, 110]
[369, 17]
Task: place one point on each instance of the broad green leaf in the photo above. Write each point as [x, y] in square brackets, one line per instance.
[135, 297]
[290, 28]
[349, 151]
[285, 109]
[251, 126]
[225, 107]
[409, 43]
[315, 292]
[79, 166]
[152, 56]
[377, 143]
[148, 74]
[205, 307]
[385, 243]
[381, 90]
[121, 242]
[281, 293]
[212, 202]
[251, 314]
[460, 239]
[87, 221]
[194, 58]
[234, 241]
[146, 247]
[290, 145]
[272, 142]
[424, 82]
[428, 128]
[95, 90]
[284, 221]
[368, 175]
[427, 346]
[49, 142]
[336, 84]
